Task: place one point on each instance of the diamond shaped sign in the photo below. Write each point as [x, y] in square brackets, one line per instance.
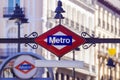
[25, 67]
[60, 40]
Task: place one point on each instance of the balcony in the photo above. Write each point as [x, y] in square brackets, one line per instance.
[8, 11]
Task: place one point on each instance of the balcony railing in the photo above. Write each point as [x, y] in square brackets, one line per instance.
[8, 11]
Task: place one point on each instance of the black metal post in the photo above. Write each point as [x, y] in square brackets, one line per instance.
[110, 73]
[18, 23]
[76, 49]
[102, 40]
[73, 68]
[59, 21]
[59, 58]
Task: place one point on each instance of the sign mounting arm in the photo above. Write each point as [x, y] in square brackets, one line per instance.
[102, 40]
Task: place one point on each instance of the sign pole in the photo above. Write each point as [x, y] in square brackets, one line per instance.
[73, 68]
[18, 23]
[59, 58]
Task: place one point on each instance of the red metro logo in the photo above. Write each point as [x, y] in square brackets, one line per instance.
[25, 67]
[59, 40]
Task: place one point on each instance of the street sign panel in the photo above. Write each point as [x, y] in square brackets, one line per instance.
[59, 40]
[24, 67]
[61, 63]
[30, 79]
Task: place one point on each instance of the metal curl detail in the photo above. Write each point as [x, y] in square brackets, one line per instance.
[32, 35]
[86, 45]
[33, 46]
[85, 34]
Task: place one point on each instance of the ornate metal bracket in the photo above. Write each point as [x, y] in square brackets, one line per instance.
[87, 45]
[32, 35]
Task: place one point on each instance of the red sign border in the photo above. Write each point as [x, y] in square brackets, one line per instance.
[25, 72]
[78, 40]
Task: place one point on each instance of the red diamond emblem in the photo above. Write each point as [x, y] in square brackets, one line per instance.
[25, 67]
[60, 40]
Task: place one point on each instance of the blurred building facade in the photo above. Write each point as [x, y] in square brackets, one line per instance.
[107, 18]
[89, 16]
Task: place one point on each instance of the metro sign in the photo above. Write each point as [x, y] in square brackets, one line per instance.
[25, 67]
[60, 40]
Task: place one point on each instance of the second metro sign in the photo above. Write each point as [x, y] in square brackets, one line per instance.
[59, 40]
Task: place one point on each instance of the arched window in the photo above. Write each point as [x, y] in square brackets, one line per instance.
[12, 32]
[11, 48]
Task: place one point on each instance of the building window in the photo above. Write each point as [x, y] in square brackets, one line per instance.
[50, 14]
[90, 22]
[72, 23]
[115, 31]
[11, 3]
[111, 28]
[93, 32]
[99, 22]
[119, 32]
[82, 28]
[107, 26]
[66, 21]
[83, 19]
[103, 24]
[77, 26]
[87, 30]
[119, 55]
